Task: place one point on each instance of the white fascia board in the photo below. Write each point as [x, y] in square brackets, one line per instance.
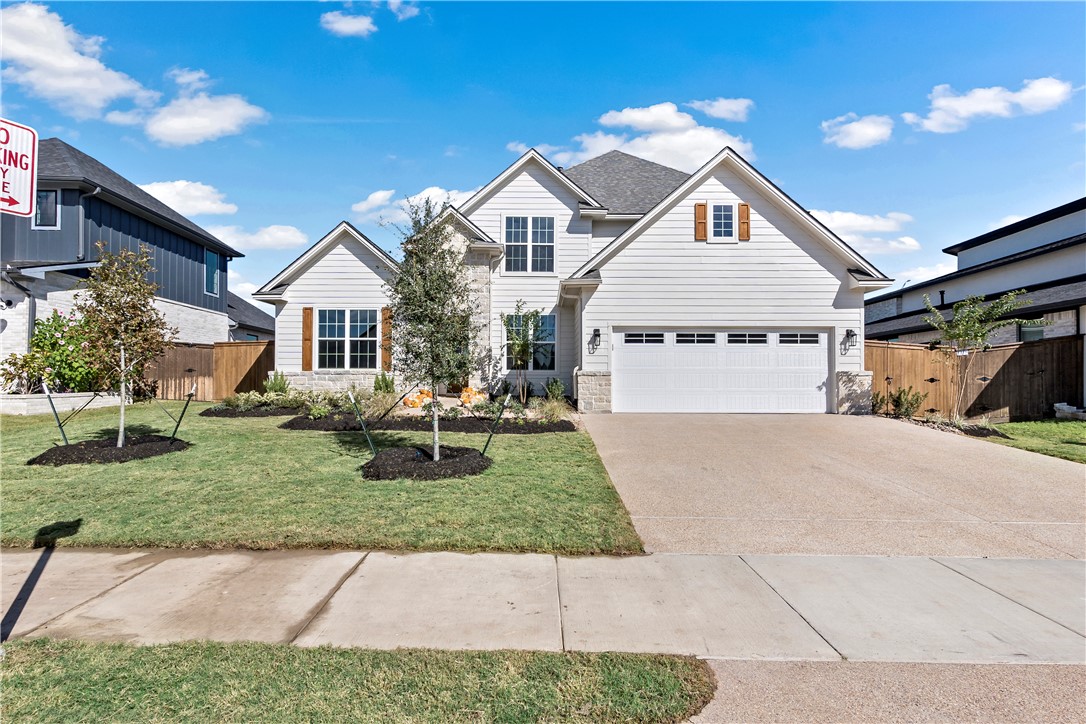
[531, 155]
[318, 250]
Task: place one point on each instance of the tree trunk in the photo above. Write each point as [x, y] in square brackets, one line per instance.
[433, 409]
[120, 427]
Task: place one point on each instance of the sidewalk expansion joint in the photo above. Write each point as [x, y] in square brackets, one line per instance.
[789, 604]
[319, 608]
[1004, 595]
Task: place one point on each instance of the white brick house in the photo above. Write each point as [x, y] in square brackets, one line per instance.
[661, 290]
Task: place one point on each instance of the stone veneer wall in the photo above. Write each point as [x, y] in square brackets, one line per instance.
[336, 380]
[854, 393]
[593, 391]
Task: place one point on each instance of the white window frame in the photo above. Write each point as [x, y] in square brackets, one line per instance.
[33, 220]
[531, 364]
[218, 281]
[712, 206]
[346, 338]
[530, 245]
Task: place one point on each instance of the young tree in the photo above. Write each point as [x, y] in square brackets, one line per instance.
[432, 304]
[523, 329]
[970, 327]
[123, 326]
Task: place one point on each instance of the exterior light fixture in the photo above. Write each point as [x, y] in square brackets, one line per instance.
[595, 341]
[850, 339]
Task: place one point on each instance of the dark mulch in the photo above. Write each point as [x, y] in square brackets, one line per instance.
[340, 422]
[106, 451]
[255, 412]
[413, 463]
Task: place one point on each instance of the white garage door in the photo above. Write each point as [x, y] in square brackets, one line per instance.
[724, 370]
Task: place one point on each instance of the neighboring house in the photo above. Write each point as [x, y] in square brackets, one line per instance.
[247, 323]
[1044, 254]
[661, 290]
[81, 201]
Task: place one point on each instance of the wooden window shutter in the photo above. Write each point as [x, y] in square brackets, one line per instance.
[386, 339]
[744, 222]
[307, 339]
[701, 222]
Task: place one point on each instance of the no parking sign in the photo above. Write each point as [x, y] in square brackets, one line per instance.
[18, 168]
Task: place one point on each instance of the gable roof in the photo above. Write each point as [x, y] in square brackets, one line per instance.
[738, 164]
[625, 184]
[59, 161]
[279, 283]
[530, 156]
[478, 235]
[247, 315]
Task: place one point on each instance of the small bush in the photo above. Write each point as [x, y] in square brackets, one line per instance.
[383, 383]
[60, 355]
[879, 402]
[486, 408]
[550, 409]
[277, 383]
[503, 389]
[450, 413]
[905, 402]
[556, 389]
[316, 410]
[377, 404]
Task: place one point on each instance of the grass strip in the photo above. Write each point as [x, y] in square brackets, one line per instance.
[65, 681]
[1057, 438]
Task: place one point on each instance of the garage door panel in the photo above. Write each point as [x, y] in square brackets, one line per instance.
[717, 376]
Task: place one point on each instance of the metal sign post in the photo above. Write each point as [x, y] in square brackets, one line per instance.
[18, 168]
[189, 396]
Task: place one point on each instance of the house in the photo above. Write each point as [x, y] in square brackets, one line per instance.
[81, 201]
[1044, 254]
[660, 290]
[247, 323]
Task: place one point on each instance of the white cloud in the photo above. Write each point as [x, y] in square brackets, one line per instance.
[852, 131]
[201, 117]
[190, 198]
[403, 10]
[376, 200]
[52, 61]
[728, 109]
[267, 237]
[1005, 221]
[660, 133]
[857, 231]
[348, 26]
[923, 273]
[188, 79]
[951, 112]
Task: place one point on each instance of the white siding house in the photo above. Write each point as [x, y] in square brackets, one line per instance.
[757, 309]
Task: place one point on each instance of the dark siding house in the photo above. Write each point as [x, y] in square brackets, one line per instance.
[81, 202]
[247, 322]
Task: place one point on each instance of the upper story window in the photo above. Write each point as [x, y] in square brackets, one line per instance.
[723, 222]
[543, 349]
[46, 211]
[529, 244]
[347, 339]
[1031, 332]
[211, 272]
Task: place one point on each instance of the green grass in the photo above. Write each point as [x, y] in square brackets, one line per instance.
[1059, 438]
[63, 681]
[245, 483]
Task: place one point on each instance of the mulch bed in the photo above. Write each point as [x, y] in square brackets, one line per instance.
[344, 422]
[255, 412]
[414, 463]
[106, 451]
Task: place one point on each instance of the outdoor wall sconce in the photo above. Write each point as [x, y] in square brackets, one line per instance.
[849, 341]
[594, 341]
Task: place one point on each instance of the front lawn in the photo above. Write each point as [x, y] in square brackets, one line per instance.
[246, 483]
[62, 681]
[1059, 438]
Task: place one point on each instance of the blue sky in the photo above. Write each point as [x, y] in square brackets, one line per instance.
[906, 127]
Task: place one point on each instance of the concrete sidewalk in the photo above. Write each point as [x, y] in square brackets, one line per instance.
[814, 608]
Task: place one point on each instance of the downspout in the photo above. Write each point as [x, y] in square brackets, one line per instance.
[580, 337]
[31, 307]
[81, 255]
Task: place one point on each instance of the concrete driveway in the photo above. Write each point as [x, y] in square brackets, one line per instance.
[837, 485]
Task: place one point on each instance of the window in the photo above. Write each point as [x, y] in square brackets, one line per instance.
[250, 337]
[800, 338]
[529, 243]
[695, 338]
[1031, 332]
[211, 272]
[543, 350]
[643, 338]
[723, 221]
[46, 214]
[747, 338]
[347, 339]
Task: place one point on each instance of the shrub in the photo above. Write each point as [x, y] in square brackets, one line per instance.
[374, 405]
[384, 383]
[277, 383]
[450, 413]
[503, 389]
[556, 389]
[550, 409]
[486, 408]
[316, 410]
[60, 355]
[879, 402]
[905, 402]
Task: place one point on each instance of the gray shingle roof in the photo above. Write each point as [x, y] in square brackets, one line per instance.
[625, 184]
[58, 161]
[246, 315]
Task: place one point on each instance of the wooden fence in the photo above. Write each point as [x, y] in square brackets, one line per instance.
[218, 370]
[1009, 382]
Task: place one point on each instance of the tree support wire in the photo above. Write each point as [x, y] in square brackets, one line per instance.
[358, 414]
[497, 422]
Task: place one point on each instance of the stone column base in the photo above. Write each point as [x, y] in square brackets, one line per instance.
[593, 391]
[854, 393]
